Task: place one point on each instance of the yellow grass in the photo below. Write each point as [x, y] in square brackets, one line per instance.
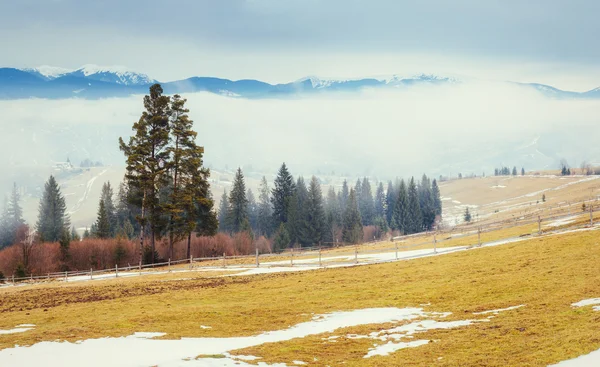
[547, 274]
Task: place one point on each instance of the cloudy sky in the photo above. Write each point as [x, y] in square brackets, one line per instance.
[549, 41]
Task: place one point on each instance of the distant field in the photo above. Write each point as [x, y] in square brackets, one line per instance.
[499, 198]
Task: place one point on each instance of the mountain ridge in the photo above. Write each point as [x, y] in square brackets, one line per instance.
[93, 82]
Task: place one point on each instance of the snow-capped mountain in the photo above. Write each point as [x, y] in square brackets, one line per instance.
[112, 74]
[93, 81]
[47, 72]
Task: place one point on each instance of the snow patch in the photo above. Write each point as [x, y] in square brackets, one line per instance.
[497, 311]
[592, 359]
[588, 302]
[19, 329]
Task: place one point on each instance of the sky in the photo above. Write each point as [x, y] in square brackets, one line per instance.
[550, 41]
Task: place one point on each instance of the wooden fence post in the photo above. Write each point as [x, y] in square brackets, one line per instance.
[539, 225]
[66, 276]
[396, 250]
[257, 263]
[591, 215]
[292, 258]
[169, 266]
[116, 270]
[224, 264]
[191, 261]
[356, 254]
[320, 264]
[479, 236]
[434, 243]
[91, 273]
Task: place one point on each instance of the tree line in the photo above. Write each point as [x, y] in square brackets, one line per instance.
[295, 212]
[505, 171]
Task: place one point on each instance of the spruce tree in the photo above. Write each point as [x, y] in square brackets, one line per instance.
[391, 197]
[426, 203]
[6, 237]
[102, 222]
[522, 171]
[467, 215]
[252, 211]
[344, 194]
[415, 219]
[238, 203]
[437, 199]
[265, 213]
[301, 232]
[15, 212]
[109, 206]
[333, 216]
[281, 240]
[514, 171]
[380, 202]
[223, 213]
[282, 194]
[366, 204]
[53, 218]
[293, 225]
[315, 213]
[352, 231]
[147, 153]
[400, 218]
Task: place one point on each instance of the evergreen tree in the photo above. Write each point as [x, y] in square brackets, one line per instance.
[265, 213]
[282, 239]
[400, 218]
[6, 237]
[107, 197]
[238, 203]
[380, 202]
[53, 219]
[86, 233]
[298, 214]
[467, 215]
[223, 213]
[252, 211]
[426, 203]
[282, 194]
[147, 153]
[315, 213]
[293, 226]
[366, 204]
[333, 216]
[514, 171]
[391, 197]
[344, 194]
[352, 232]
[522, 171]
[102, 221]
[65, 244]
[415, 220]
[437, 200]
[74, 235]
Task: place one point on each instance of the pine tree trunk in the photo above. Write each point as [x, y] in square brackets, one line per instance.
[171, 244]
[152, 241]
[189, 247]
[142, 228]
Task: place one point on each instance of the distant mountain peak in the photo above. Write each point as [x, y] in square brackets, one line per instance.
[48, 72]
[113, 74]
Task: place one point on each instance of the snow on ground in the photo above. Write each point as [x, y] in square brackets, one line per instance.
[497, 311]
[142, 349]
[498, 187]
[588, 302]
[562, 221]
[588, 360]
[18, 329]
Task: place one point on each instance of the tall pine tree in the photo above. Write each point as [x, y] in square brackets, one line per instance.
[223, 213]
[282, 194]
[265, 213]
[415, 220]
[53, 218]
[238, 204]
[147, 154]
[366, 204]
[400, 217]
[315, 213]
[352, 231]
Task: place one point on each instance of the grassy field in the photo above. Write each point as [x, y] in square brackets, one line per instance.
[546, 274]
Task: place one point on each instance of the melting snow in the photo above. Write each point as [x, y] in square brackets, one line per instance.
[497, 311]
[143, 349]
[19, 329]
[592, 359]
[588, 302]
